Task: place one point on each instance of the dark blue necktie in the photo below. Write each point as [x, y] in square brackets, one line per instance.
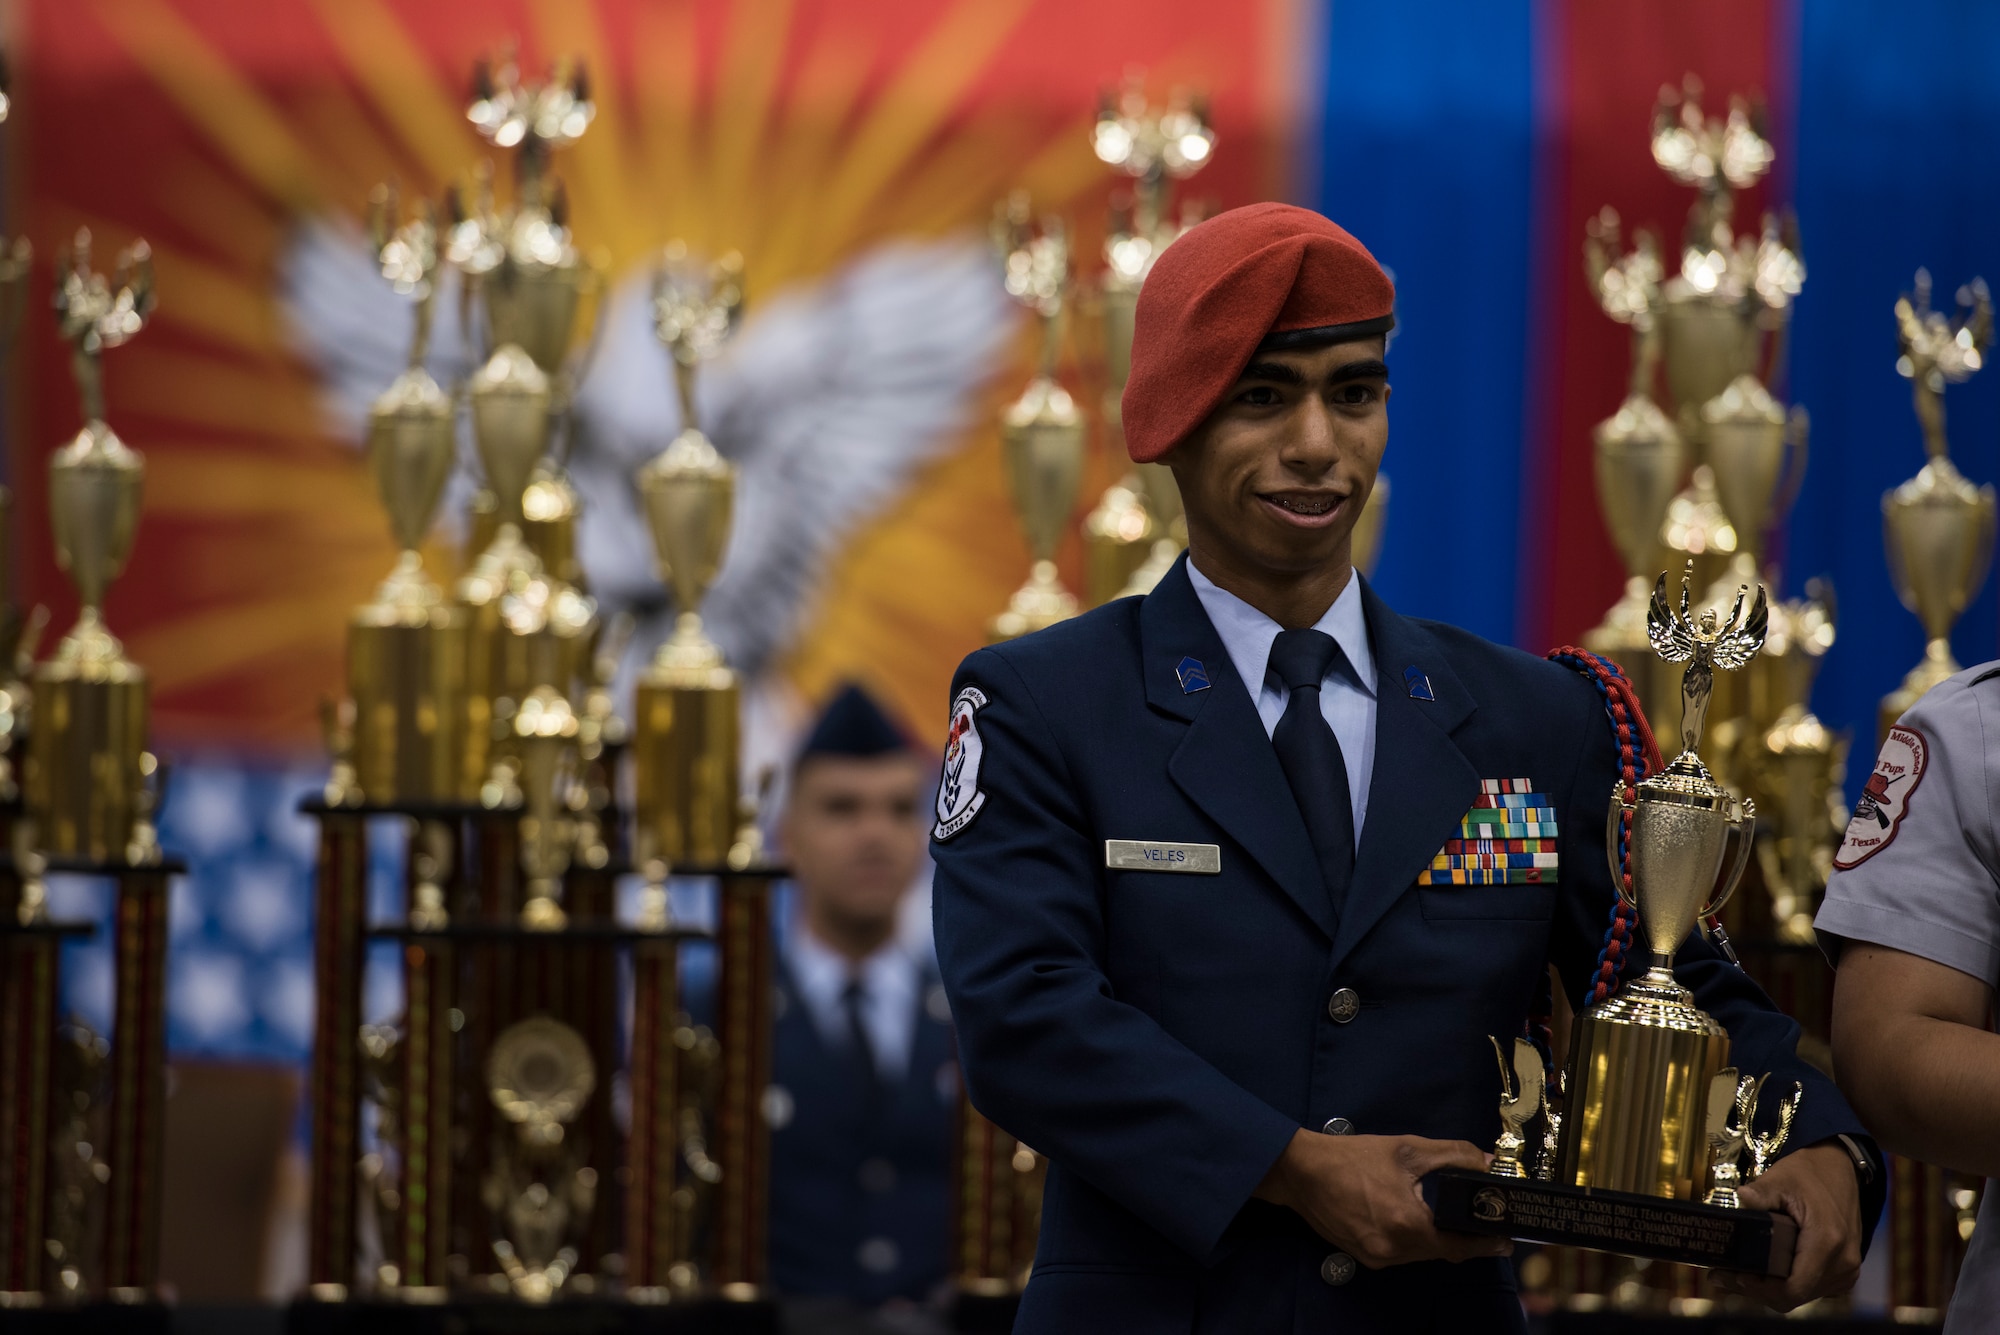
[1310, 755]
[861, 1050]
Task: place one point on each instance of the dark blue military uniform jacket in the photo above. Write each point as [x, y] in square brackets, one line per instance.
[1162, 1036]
[860, 1193]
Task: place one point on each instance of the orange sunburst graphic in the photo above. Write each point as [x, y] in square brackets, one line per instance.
[799, 132]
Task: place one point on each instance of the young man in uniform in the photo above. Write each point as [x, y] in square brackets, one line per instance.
[1185, 904]
[1912, 919]
[866, 1086]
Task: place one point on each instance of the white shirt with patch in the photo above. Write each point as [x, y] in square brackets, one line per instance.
[1919, 872]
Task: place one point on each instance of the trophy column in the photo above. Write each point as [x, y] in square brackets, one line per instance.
[1134, 532]
[742, 1138]
[135, 1126]
[339, 955]
[691, 821]
[655, 1242]
[90, 786]
[1938, 529]
[28, 989]
[996, 1196]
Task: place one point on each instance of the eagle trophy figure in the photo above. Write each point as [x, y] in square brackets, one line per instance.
[1704, 643]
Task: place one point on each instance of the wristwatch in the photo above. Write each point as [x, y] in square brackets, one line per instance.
[1866, 1170]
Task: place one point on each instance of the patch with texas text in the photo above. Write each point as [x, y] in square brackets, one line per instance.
[958, 797]
[1507, 838]
[1885, 798]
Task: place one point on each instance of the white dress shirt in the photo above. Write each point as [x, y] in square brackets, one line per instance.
[1347, 697]
[890, 982]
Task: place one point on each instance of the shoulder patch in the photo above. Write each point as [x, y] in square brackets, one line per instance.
[1885, 799]
[958, 796]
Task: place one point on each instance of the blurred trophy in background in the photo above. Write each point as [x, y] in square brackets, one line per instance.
[90, 789]
[1042, 431]
[1133, 534]
[1797, 764]
[691, 819]
[406, 648]
[1938, 527]
[687, 707]
[539, 1076]
[534, 279]
[17, 637]
[1640, 456]
[88, 773]
[1718, 325]
[529, 624]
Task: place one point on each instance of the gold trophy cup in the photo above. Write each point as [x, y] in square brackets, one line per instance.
[1134, 532]
[1640, 456]
[1938, 527]
[406, 649]
[1647, 1146]
[87, 764]
[1642, 1061]
[528, 625]
[1042, 431]
[686, 706]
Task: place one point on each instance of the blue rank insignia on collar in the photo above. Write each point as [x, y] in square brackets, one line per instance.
[1193, 676]
[1419, 684]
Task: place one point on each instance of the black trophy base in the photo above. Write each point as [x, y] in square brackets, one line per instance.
[984, 1313]
[576, 1316]
[1755, 1241]
[93, 1318]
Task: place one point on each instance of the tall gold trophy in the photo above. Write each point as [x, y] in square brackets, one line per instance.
[1642, 1061]
[687, 705]
[1717, 324]
[1937, 526]
[528, 624]
[1134, 532]
[1644, 1162]
[406, 648]
[1042, 432]
[88, 770]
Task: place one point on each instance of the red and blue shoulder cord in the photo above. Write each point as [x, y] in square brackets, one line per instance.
[1638, 756]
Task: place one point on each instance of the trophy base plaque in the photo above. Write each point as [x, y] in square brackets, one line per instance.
[1757, 1242]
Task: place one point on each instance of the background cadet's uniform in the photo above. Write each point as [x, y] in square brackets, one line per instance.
[860, 1169]
[1162, 1035]
[1919, 872]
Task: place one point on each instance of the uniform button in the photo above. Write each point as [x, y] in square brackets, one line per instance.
[1337, 1268]
[879, 1256]
[1344, 1005]
[1338, 1126]
[877, 1176]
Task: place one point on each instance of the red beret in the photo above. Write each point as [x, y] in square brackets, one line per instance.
[1225, 287]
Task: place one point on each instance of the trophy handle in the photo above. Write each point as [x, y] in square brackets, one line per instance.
[1618, 808]
[1983, 543]
[1798, 430]
[1744, 831]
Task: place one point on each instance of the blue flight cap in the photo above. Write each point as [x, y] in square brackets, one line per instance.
[853, 725]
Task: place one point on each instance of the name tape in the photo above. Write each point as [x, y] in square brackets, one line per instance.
[1144, 855]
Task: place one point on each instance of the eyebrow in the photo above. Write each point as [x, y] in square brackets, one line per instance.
[1282, 373]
